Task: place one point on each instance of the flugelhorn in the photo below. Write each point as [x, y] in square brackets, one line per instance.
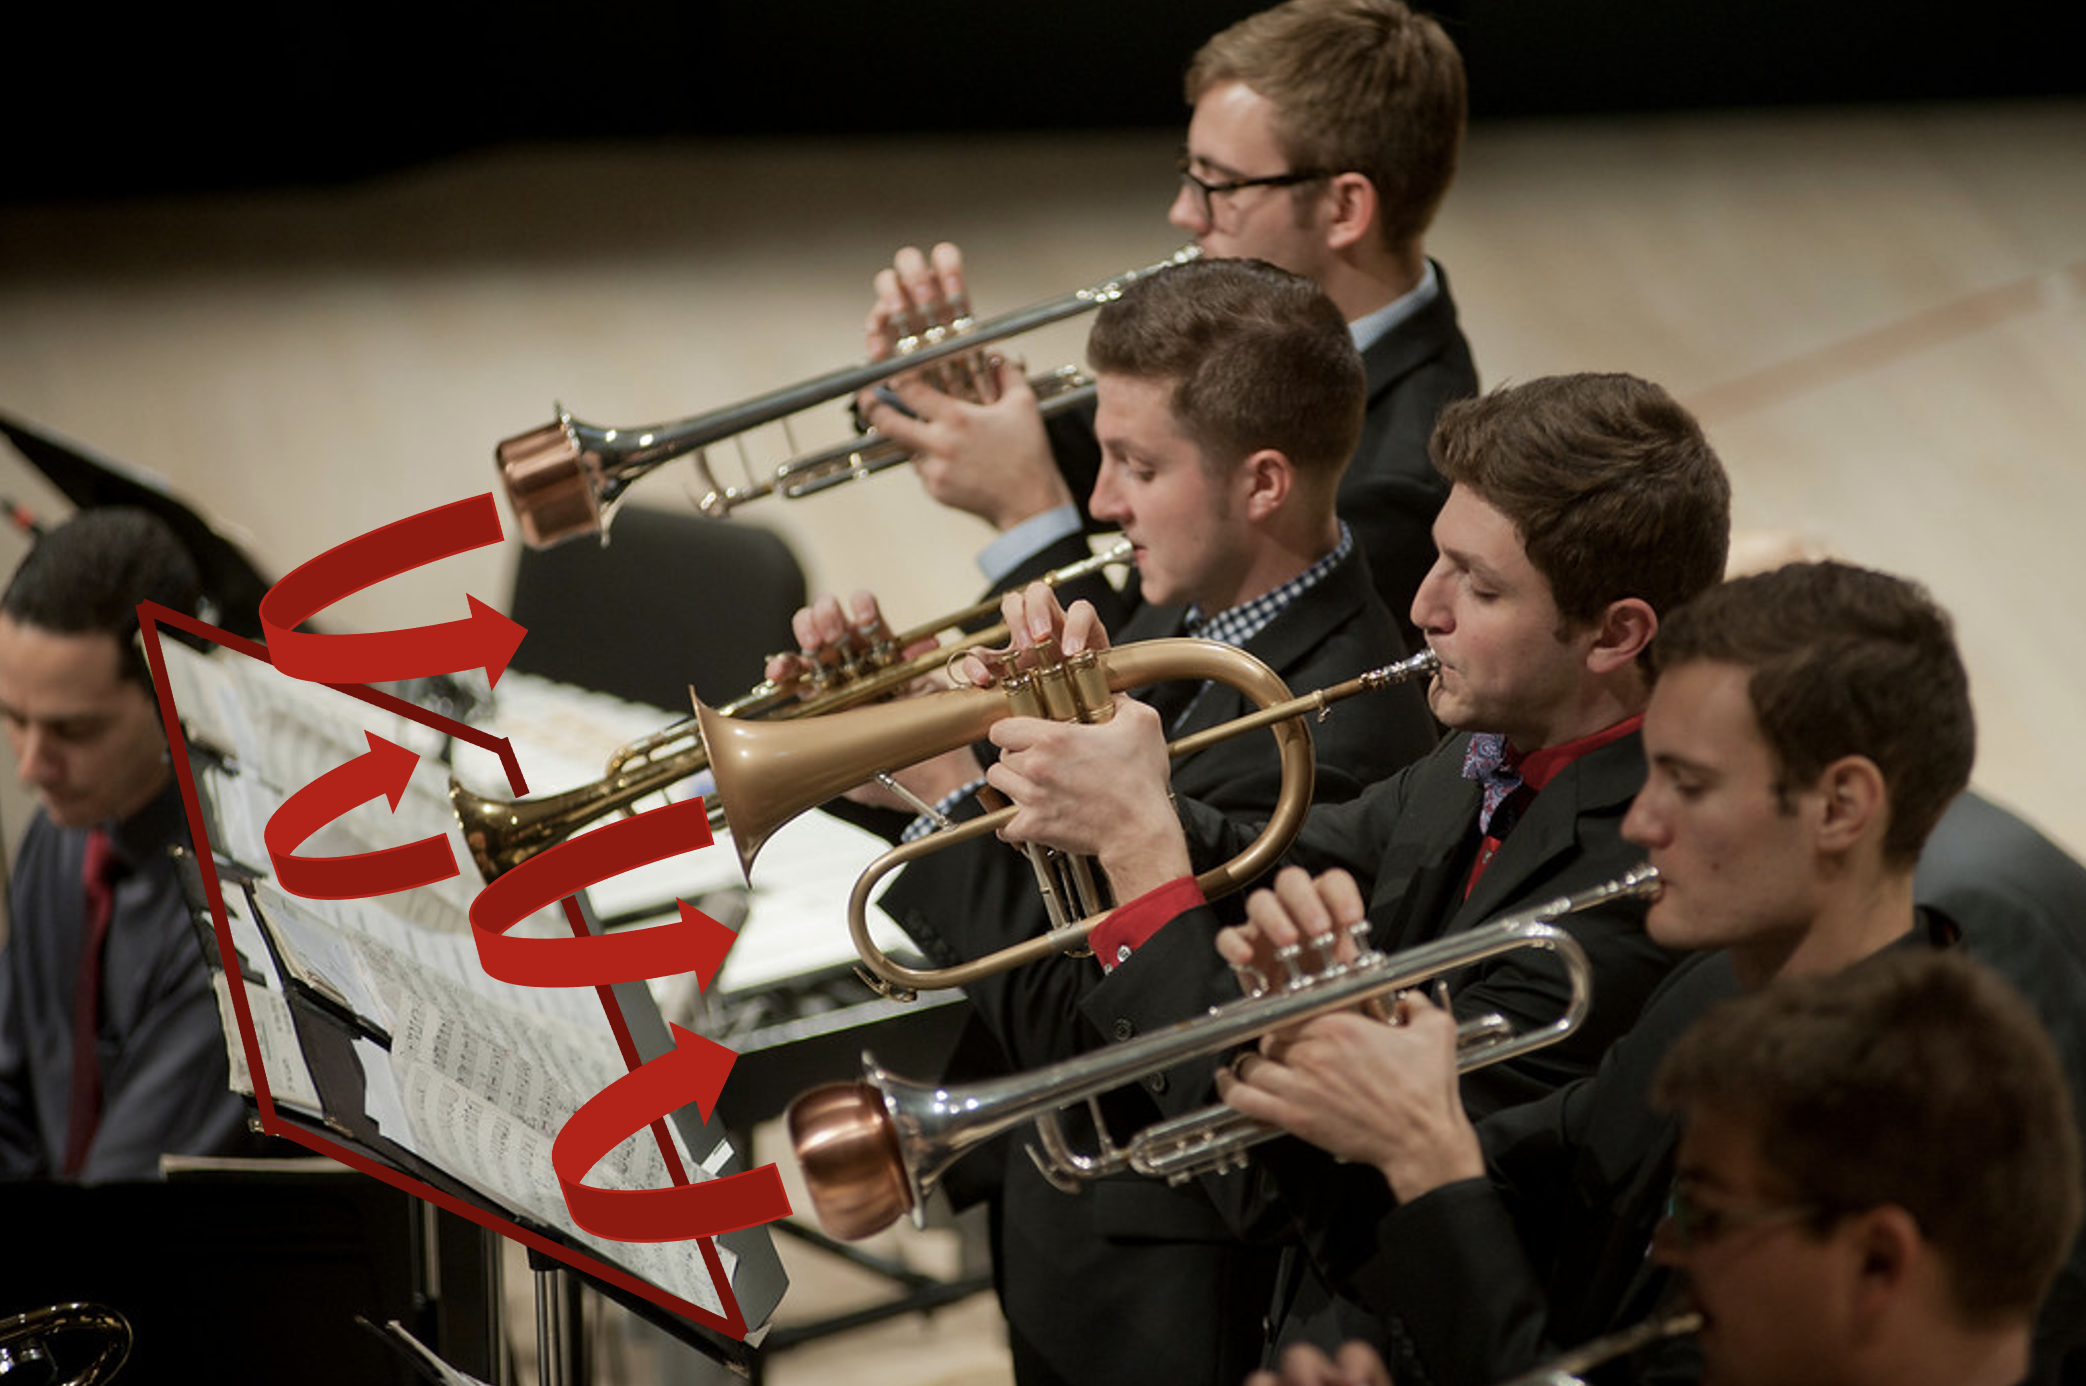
[873, 1149]
[566, 478]
[767, 773]
[504, 833]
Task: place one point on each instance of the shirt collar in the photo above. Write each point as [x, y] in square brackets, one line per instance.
[1371, 328]
[1238, 624]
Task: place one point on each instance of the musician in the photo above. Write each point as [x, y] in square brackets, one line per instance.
[110, 1047]
[1323, 138]
[1876, 1180]
[1807, 729]
[1582, 510]
[1230, 395]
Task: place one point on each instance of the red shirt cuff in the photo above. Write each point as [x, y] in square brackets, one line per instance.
[1115, 938]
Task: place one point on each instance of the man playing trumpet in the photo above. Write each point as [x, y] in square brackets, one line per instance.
[1230, 395]
[1807, 730]
[1324, 136]
[1582, 509]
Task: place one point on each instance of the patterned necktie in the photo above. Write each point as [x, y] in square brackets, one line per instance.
[1485, 760]
[98, 878]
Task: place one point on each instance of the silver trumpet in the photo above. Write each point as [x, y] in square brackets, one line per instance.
[1570, 1368]
[875, 1148]
[565, 478]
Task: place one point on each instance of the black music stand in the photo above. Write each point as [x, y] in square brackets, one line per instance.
[332, 1031]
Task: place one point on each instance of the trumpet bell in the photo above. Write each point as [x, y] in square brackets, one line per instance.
[848, 1148]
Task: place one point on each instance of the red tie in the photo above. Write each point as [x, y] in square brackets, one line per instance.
[98, 876]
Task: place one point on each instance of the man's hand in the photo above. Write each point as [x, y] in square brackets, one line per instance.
[832, 637]
[1356, 1364]
[1364, 1090]
[1291, 925]
[971, 422]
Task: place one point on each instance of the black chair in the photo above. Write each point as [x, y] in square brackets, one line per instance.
[673, 599]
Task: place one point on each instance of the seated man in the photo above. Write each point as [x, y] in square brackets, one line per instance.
[1229, 398]
[1807, 729]
[110, 1047]
[1324, 136]
[1582, 509]
[1877, 1177]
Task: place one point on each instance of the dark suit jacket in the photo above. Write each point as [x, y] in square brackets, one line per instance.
[1132, 1280]
[1390, 492]
[1482, 1280]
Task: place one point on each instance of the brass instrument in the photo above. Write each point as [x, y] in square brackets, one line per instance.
[872, 1149]
[566, 478]
[504, 833]
[1569, 1368]
[768, 773]
[23, 1342]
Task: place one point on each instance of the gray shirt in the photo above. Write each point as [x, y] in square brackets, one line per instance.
[164, 1072]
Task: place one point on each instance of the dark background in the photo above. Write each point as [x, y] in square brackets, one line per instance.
[108, 101]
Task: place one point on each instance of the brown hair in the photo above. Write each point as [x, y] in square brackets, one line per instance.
[1844, 661]
[1915, 1079]
[1609, 482]
[1357, 85]
[1258, 357]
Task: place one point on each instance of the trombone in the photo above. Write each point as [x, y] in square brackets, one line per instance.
[504, 833]
[875, 1148]
[566, 478]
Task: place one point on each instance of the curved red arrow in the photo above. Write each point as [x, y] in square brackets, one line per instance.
[485, 639]
[692, 1071]
[695, 943]
[383, 769]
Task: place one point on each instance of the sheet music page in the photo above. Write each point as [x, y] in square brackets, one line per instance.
[485, 1090]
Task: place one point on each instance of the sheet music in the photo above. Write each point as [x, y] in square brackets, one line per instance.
[479, 1075]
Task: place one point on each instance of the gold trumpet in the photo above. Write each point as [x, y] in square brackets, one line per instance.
[875, 1148]
[24, 1342]
[504, 833]
[768, 773]
[566, 478]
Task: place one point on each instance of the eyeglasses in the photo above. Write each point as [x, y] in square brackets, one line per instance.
[1210, 191]
[1689, 1224]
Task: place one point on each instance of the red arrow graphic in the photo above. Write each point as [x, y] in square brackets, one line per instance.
[693, 1070]
[383, 769]
[695, 943]
[485, 639]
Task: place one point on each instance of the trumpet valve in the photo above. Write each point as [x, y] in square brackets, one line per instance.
[849, 1155]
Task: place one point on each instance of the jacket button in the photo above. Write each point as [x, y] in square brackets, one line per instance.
[1124, 1029]
[1157, 1082]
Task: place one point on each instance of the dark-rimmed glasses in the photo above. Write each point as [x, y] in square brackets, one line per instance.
[1210, 191]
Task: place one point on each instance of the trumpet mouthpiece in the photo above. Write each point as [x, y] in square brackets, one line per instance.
[850, 1160]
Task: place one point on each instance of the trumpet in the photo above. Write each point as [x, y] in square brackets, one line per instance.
[768, 773]
[875, 1148]
[1570, 1368]
[504, 833]
[24, 1342]
[566, 478]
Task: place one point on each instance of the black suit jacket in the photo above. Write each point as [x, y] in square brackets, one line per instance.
[1390, 491]
[1132, 1280]
[1482, 1280]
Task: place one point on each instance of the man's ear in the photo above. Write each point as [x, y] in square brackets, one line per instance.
[1266, 478]
[1355, 204]
[1886, 1249]
[1621, 634]
[1853, 801]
